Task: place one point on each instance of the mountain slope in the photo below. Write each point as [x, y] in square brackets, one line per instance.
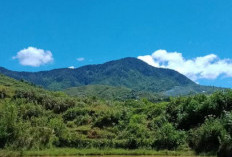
[101, 91]
[128, 72]
[107, 92]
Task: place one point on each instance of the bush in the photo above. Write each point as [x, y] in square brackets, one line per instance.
[207, 137]
[167, 137]
[3, 94]
[59, 130]
[225, 149]
[8, 123]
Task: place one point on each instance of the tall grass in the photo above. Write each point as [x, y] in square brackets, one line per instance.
[92, 151]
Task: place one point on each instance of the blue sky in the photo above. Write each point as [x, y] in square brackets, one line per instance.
[96, 31]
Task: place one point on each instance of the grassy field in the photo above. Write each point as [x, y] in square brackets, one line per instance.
[84, 152]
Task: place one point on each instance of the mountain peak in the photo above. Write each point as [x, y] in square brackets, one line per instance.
[127, 60]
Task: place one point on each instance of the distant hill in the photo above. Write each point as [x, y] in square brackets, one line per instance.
[112, 93]
[130, 73]
[100, 91]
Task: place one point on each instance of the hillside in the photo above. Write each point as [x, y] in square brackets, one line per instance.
[100, 91]
[32, 118]
[112, 93]
[131, 73]
[8, 86]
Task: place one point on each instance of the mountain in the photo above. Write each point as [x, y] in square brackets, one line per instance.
[130, 73]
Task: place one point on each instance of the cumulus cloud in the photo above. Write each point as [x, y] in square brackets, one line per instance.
[71, 67]
[207, 67]
[80, 59]
[34, 57]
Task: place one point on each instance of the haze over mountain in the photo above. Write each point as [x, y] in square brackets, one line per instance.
[131, 73]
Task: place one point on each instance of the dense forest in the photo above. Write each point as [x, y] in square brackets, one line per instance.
[34, 118]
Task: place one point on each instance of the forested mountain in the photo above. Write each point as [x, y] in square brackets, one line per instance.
[130, 73]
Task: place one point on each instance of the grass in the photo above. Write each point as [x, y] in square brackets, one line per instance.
[99, 152]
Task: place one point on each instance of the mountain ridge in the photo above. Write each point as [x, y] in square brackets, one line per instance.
[128, 72]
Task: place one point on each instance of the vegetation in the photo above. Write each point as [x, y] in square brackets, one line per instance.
[112, 93]
[32, 118]
[130, 73]
[92, 151]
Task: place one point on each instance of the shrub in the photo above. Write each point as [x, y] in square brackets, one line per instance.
[167, 137]
[207, 137]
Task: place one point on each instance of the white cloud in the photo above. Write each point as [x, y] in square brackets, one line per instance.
[80, 59]
[71, 67]
[207, 67]
[34, 57]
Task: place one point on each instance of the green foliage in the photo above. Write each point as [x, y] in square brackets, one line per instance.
[32, 118]
[207, 137]
[8, 122]
[59, 129]
[167, 137]
[225, 149]
[107, 92]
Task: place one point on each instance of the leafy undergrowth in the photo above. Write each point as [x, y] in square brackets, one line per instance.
[32, 118]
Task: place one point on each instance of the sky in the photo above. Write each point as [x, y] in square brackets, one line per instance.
[193, 37]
